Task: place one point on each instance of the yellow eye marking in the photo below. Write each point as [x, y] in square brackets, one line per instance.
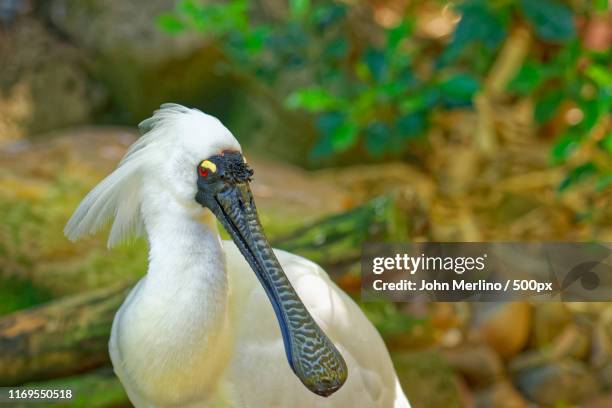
[244, 160]
[207, 164]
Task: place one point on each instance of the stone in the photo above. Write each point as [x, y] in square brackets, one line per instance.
[601, 340]
[549, 320]
[572, 342]
[529, 359]
[428, 380]
[140, 65]
[129, 28]
[478, 364]
[43, 82]
[599, 401]
[557, 382]
[604, 374]
[499, 395]
[503, 326]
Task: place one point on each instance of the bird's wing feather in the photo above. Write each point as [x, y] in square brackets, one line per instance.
[371, 377]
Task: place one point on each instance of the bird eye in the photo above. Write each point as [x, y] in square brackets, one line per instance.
[206, 167]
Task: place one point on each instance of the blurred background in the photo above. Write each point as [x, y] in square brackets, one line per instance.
[364, 121]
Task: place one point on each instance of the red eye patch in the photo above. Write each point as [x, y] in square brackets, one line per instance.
[202, 171]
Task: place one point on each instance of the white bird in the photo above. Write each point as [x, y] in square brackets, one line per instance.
[200, 329]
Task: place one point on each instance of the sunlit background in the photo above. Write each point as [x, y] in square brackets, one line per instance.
[365, 121]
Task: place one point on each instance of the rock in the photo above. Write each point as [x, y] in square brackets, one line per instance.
[499, 395]
[129, 29]
[140, 65]
[601, 344]
[528, 360]
[599, 401]
[549, 320]
[503, 326]
[560, 382]
[604, 374]
[572, 342]
[478, 364]
[428, 380]
[43, 82]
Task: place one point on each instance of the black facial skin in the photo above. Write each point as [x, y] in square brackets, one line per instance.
[311, 355]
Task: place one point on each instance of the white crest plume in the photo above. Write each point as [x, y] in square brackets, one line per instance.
[118, 195]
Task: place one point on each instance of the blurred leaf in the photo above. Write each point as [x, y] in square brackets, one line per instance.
[376, 62]
[329, 14]
[459, 89]
[388, 319]
[234, 17]
[604, 182]
[546, 107]
[361, 71]
[591, 110]
[344, 136]
[479, 23]
[412, 103]
[552, 20]
[411, 125]
[336, 49]
[390, 90]
[170, 23]
[600, 75]
[313, 99]
[397, 34]
[220, 19]
[601, 6]
[364, 104]
[192, 9]
[563, 147]
[606, 143]
[256, 39]
[338, 134]
[19, 294]
[377, 138]
[327, 124]
[566, 59]
[299, 8]
[529, 77]
[577, 174]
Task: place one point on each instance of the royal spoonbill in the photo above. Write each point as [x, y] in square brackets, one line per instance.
[200, 329]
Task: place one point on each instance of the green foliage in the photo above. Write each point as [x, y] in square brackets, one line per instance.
[314, 99]
[19, 294]
[577, 174]
[560, 81]
[552, 20]
[378, 92]
[388, 319]
[482, 28]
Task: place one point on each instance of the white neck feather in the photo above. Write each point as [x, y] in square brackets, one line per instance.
[187, 277]
[180, 312]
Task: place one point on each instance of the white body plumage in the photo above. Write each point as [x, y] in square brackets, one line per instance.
[198, 329]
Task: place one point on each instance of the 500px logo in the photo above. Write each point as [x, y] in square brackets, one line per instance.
[582, 280]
